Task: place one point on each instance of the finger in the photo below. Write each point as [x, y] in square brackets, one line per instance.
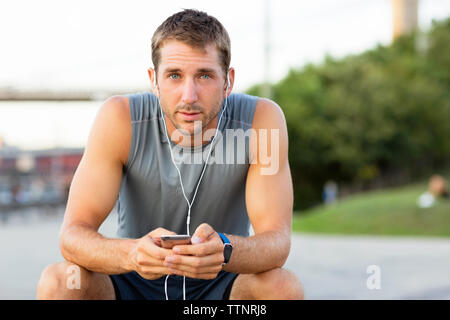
[157, 241]
[199, 250]
[150, 277]
[143, 259]
[154, 273]
[202, 233]
[192, 263]
[157, 233]
[193, 270]
[148, 246]
[151, 271]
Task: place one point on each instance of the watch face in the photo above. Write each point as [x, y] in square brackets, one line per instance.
[228, 248]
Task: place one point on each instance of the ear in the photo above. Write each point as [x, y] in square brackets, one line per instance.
[229, 82]
[153, 81]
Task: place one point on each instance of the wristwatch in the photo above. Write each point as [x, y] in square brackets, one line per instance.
[227, 248]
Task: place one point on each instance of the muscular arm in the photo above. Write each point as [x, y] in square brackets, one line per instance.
[92, 196]
[269, 198]
[94, 191]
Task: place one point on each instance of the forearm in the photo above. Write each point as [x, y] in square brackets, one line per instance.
[84, 246]
[258, 253]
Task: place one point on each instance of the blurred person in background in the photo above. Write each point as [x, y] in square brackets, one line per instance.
[437, 188]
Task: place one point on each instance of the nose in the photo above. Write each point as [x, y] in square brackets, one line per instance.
[189, 92]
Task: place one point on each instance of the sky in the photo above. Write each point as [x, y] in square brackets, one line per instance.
[85, 44]
[95, 45]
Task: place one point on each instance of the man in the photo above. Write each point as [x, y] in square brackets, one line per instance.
[128, 156]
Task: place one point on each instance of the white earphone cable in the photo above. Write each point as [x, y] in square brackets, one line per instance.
[188, 220]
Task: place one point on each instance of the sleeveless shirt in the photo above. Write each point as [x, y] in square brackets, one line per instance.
[150, 194]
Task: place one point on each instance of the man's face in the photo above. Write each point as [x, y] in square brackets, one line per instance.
[190, 80]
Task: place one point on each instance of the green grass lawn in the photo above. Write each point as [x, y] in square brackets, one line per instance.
[385, 212]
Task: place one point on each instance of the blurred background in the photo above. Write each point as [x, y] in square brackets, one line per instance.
[365, 88]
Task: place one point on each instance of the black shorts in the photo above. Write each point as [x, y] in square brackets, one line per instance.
[131, 286]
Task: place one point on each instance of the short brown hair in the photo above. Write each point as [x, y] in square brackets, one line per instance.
[196, 29]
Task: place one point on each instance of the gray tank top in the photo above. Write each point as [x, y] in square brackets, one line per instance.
[150, 194]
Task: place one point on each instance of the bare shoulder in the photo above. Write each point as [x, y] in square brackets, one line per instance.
[112, 127]
[269, 124]
[118, 106]
[268, 115]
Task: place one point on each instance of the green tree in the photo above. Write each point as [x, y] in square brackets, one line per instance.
[361, 117]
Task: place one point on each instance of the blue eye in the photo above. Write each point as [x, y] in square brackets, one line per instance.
[171, 76]
[206, 76]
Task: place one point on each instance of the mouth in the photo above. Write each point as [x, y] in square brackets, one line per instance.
[189, 115]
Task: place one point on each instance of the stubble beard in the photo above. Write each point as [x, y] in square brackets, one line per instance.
[199, 125]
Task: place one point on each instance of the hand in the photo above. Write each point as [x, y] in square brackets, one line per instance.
[202, 259]
[148, 256]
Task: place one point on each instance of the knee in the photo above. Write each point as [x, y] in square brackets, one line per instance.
[282, 284]
[49, 282]
[56, 279]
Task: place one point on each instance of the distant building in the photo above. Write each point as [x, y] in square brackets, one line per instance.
[405, 16]
[37, 176]
[44, 162]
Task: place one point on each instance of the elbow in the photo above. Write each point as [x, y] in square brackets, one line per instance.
[285, 248]
[283, 260]
[64, 242]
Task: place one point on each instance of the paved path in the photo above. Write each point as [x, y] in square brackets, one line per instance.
[330, 267]
[335, 267]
